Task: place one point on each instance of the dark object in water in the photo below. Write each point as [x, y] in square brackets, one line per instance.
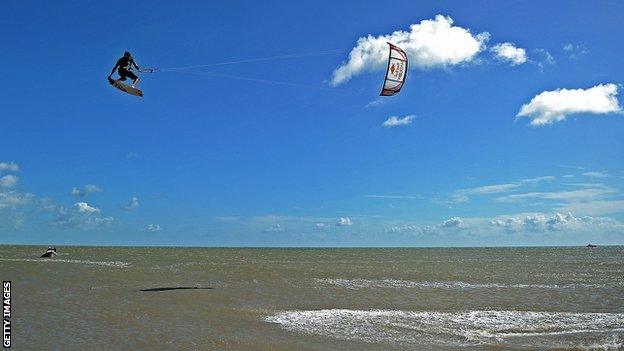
[50, 253]
[591, 245]
[175, 288]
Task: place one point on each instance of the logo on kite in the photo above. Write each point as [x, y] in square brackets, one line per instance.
[396, 72]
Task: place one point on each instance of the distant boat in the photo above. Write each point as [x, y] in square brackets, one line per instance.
[591, 245]
[51, 252]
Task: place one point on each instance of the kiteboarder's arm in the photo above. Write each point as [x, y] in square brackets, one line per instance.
[135, 65]
[114, 69]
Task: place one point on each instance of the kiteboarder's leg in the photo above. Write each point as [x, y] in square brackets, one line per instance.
[122, 74]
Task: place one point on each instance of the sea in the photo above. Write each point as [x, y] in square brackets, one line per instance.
[166, 298]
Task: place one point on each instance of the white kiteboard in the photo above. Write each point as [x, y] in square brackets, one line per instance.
[125, 88]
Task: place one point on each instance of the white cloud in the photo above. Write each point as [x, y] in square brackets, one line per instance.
[510, 53]
[8, 167]
[396, 122]
[554, 106]
[453, 222]
[344, 221]
[430, 43]
[22, 209]
[581, 195]
[544, 58]
[153, 228]
[462, 195]
[84, 207]
[375, 103]
[540, 222]
[595, 174]
[490, 189]
[13, 199]
[80, 215]
[538, 179]
[395, 197]
[509, 222]
[8, 181]
[133, 203]
[88, 189]
[320, 226]
[594, 208]
[405, 228]
[574, 51]
[275, 228]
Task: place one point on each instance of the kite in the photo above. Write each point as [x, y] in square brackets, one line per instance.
[396, 72]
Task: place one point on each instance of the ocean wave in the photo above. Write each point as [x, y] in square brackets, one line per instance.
[56, 260]
[505, 328]
[356, 284]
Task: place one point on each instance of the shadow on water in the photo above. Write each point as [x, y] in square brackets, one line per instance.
[175, 288]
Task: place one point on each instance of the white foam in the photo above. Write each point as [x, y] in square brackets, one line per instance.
[56, 260]
[356, 284]
[457, 328]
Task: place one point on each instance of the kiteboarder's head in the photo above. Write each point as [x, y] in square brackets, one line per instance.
[127, 54]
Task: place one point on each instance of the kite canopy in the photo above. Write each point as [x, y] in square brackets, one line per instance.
[396, 72]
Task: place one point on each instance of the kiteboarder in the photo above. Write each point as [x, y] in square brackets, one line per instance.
[124, 68]
[51, 252]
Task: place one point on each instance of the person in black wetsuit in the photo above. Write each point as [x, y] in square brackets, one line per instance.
[124, 68]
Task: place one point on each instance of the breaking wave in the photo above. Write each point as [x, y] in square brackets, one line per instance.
[57, 260]
[356, 284]
[504, 328]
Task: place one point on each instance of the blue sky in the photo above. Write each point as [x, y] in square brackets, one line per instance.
[508, 130]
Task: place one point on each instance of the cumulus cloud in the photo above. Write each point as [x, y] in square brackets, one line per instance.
[397, 122]
[320, 226]
[430, 43]
[88, 189]
[8, 181]
[344, 221]
[22, 209]
[509, 52]
[80, 215]
[84, 207]
[554, 106]
[554, 222]
[8, 167]
[153, 228]
[133, 203]
[13, 199]
[453, 222]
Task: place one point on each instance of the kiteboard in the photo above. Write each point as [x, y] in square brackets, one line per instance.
[125, 88]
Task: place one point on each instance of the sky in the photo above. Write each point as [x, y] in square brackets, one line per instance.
[264, 126]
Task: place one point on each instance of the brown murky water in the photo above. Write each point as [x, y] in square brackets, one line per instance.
[113, 298]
